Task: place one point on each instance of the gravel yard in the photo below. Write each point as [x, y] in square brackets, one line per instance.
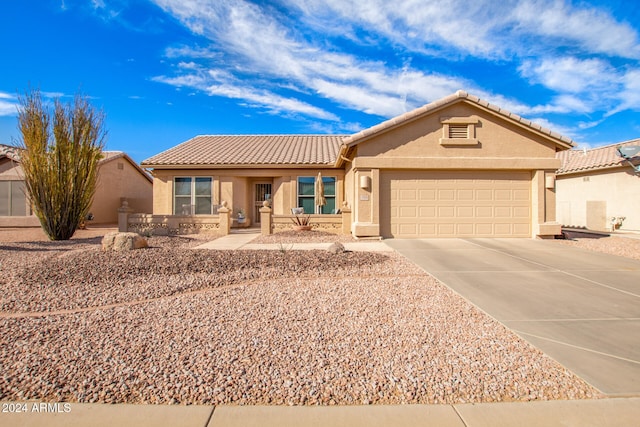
[170, 324]
[628, 246]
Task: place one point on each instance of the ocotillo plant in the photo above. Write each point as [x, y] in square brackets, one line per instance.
[60, 160]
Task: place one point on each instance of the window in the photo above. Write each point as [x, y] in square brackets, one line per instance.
[459, 131]
[192, 196]
[13, 199]
[307, 194]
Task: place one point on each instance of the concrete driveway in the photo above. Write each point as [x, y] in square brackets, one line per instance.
[580, 307]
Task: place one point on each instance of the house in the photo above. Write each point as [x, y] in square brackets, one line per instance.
[119, 177]
[598, 187]
[457, 167]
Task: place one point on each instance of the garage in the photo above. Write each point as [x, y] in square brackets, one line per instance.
[422, 204]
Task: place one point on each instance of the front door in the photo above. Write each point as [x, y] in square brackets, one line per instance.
[262, 192]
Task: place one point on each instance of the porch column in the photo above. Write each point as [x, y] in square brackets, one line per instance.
[224, 218]
[123, 216]
[265, 219]
[346, 218]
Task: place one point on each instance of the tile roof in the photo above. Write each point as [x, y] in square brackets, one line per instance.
[10, 152]
[251, 150]
[574, 161]
[459, 95]
[14, 153]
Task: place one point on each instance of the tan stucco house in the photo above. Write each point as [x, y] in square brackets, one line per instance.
[119, 177]
[457, 167]
[598, 189]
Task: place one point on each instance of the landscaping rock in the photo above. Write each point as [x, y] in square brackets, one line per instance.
[118, 241]
[336, 248]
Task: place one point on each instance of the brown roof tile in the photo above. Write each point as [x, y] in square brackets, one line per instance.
[251, 150]
[574, 161]
[10, 152]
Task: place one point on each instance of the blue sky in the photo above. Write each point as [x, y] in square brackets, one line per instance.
[164, 71]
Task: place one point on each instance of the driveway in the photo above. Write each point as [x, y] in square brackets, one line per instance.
[580, 307]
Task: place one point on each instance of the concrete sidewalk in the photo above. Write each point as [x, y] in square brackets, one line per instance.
[601, 413]
[242, 241]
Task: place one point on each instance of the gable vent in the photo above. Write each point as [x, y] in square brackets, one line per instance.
[457, 131]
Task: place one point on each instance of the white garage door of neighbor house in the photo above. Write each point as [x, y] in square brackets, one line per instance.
[455, 204]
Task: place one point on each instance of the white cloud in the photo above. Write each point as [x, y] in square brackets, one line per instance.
[547, 124]
[591, 29]
[570, 74]
[8, 105]
[630, 95]
[274, 103]
[8, 108]
[277, 60]
[483, 28]
[274, 54]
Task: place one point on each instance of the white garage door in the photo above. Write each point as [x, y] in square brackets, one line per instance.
[455, 204]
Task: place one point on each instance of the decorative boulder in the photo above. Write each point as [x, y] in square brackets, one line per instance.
[118, 241]
[336, 248]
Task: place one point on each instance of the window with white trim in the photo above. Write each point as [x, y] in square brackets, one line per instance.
[192, 195]
[307, 194]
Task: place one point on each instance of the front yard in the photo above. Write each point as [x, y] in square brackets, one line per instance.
[171, 324]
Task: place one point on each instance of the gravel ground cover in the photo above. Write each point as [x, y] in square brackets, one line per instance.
[614, 245]
[171, 325]
[292, 236]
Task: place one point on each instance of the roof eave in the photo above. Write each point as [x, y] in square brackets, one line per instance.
[240, 166]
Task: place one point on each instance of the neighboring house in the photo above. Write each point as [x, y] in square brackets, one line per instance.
[119, 177]
[595, 186]
[457, 167]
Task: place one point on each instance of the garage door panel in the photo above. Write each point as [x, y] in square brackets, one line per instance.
[465, 229]
[426, 229]
[502, 212]
[465, 212]
[522, 229]
[427, 194]
[446, 229]
[407, 194]
[522, 195]
[521, 212]
[467, 195]
[448, 194]
[456, 204]
[484, 194]
[484, 229]
[427, 211]
[446, 212]
[484, 211]
[408, 211]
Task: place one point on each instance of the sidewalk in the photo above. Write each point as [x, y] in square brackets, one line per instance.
[618, 412]
[235, 241]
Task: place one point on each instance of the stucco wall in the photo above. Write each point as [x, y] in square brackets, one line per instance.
[495, 144]
[119, 179]
[236, 187]
[421, 138]
[617, 191]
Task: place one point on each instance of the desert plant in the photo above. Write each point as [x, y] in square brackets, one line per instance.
[301, 221]
[60, 160]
